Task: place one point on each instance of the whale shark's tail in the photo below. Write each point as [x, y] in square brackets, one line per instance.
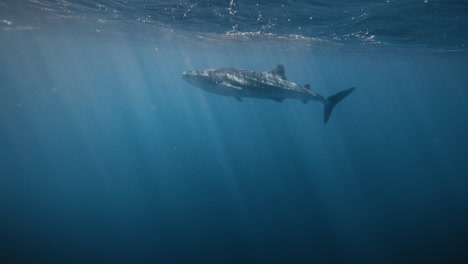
[332, 101]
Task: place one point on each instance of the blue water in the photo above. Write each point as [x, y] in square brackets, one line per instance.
[108, 156]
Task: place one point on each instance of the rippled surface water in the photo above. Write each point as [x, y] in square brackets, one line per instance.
[430, 25]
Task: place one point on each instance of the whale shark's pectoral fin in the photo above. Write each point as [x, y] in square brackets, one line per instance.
[230, 85]
[278, 71]
[279, 100]
[238, 98]
[305, 101]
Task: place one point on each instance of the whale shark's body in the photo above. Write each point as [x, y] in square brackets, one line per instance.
[272, 85]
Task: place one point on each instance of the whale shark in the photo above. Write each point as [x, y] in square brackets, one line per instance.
[272, 84]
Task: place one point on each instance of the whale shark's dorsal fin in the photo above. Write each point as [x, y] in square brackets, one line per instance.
[278, 71]
[307, 86]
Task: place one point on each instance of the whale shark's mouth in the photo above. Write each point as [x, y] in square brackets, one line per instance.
[195, 75]
[188, 75]
[197, 78]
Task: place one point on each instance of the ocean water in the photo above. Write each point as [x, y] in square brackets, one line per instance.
[108, 156]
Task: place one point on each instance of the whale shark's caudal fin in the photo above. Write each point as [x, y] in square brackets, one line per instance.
[332, 101]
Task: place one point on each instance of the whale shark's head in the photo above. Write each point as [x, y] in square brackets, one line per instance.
[200, 78]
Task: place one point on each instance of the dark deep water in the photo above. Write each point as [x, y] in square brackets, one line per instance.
[108, 156]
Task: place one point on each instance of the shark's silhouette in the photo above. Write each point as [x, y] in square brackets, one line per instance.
[272, 85]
